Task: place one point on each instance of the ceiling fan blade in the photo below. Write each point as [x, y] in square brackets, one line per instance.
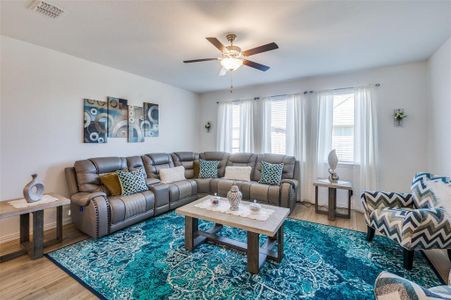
[222, 72]
[263, 48]
[216, 43]
[255, 65]
[198, 60]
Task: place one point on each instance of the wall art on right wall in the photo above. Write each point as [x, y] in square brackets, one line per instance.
[151, 119]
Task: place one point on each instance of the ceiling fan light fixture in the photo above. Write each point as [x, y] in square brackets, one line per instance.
[231, 63]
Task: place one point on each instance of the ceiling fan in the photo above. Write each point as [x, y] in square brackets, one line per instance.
[232, 57]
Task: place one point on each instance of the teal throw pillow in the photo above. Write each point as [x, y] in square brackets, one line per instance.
[271, 173]
[208, 168]
[132, 182]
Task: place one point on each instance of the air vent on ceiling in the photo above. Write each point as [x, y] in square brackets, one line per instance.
[46, 8]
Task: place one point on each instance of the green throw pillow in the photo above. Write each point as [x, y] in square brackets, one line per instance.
[208, 168]
[132, 182]
[271, 173]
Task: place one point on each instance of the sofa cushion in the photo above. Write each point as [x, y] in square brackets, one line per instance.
[182, 189]
[132, 182]
[238, 173]
[188, 161]
[271, 173]
[208, 168]
[265, 193]
[88, 171]
[172, 174]
[127, 206]
[430, 191]
[203, 185]
[154, 162]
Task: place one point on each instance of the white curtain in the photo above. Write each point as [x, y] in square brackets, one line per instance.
[365, 140]
[318, 132]
[265, 121]
[224, 128]
[247, 126]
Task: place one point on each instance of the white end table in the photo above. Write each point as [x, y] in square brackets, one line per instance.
[332, 203]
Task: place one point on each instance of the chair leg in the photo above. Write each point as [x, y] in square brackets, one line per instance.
[370, 233]
[408, 259]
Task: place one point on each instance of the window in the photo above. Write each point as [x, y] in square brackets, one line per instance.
[236, 128]
[343, 127]
[278, 126]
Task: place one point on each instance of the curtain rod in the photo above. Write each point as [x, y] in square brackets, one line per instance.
[305, 92]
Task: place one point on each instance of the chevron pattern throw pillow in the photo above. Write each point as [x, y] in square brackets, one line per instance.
[271, 173]
[132, 182]
[425, 192]
[208, 168]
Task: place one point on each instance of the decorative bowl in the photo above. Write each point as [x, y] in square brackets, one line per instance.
[255, 206]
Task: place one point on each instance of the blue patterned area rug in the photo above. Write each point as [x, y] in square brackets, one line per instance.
[148, 261]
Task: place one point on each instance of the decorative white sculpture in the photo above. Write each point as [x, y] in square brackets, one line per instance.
[34, 190]
[333, 162]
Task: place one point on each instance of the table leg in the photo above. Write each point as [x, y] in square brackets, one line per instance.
[38, 234]
[349, 203]
[316, 199]
[280, 244]
[191, 227]
[332, 203]
[253, 252]
[24, 228]
[59, 223]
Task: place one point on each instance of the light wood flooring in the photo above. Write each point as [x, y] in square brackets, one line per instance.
[23, 278]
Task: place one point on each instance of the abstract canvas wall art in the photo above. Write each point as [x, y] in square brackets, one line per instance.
[117, 117]
[135, 124]
[151, 119]
[95, 121]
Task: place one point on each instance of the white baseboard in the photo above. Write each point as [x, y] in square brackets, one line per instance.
[47, 226]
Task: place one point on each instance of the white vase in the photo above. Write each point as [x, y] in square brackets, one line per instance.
[234, 196]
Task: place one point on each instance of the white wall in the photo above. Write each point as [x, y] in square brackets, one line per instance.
[42, 119]
[439, 135]
[402, 149]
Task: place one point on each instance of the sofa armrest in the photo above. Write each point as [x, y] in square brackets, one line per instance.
[293, 182]
[426, 228]
[84, 198]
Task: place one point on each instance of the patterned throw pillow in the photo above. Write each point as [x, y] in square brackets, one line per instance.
[208, 168]
[132, 182]
[430, 191]
[271, 173]
[391, 286]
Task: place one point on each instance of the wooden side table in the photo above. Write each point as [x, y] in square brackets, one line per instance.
[332, 203]
[36, 248]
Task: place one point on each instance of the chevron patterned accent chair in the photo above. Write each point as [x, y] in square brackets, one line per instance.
[393, 287]
[418, 220]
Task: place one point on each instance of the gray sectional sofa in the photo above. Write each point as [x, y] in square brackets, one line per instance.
[97, 213]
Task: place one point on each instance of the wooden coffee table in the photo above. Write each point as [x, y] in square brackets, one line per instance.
[256, 255]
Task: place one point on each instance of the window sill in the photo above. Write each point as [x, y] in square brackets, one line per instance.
[348, 164]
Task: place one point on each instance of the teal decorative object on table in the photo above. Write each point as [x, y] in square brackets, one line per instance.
[148, 261]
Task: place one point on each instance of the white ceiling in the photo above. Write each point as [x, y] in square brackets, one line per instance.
[151, 38]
